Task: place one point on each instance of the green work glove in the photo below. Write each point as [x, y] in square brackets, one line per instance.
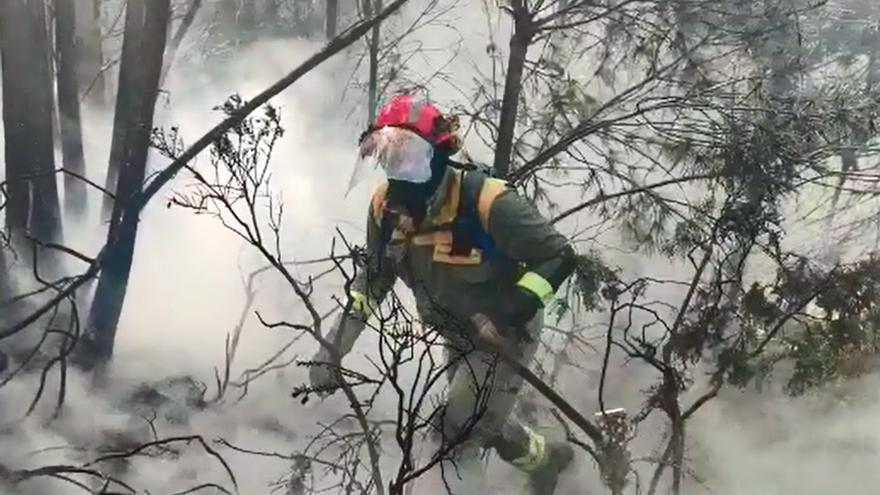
[516, 312]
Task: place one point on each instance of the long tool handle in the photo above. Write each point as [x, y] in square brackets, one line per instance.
[490, 336]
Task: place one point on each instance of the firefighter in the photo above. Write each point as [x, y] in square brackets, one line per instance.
[465, 244]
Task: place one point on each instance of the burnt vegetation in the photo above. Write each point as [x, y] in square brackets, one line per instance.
[732, 144]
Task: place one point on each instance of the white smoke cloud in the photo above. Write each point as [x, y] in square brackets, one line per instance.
[186, 293]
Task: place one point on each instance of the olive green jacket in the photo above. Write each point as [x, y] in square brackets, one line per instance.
[449, 289]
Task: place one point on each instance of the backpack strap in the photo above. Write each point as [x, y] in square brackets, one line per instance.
[467, 228]
[492, 188]
[477, 193]
[487, 170]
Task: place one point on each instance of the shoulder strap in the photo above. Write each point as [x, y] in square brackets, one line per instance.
[473, 167]
[492, 188]
[467, 231]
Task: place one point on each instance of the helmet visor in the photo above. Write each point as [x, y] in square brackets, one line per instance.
[400, 153]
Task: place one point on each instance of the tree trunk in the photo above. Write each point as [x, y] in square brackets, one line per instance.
[849, 162]
[177, 40]
[146, 27]
[248, 14]
[75, 202]
[89, 51]
[849, 159]
[124, 102]
[247, 20]
[270, 17]
[13, 37]
[228, 17]
[784, 65]
[781, 79]
[677, 452]
[52, 60]
[873, 77]
[27, 114]
[373, 84]
[331, 17]
[673, 455]
[519, 46]
[5, 282]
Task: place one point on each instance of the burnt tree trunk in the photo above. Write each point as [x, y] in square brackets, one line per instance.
[124, 102]
[673, 454]
[75, 202]
[248, 16]
[271, 10]
[873, 77]
[523, 33]
[52, 60]
[13, 36]
[270, 16]
[32, 207]
[331, 18]
[177, 39]
[5, 282]
[228, 18]
[678, 451]
[89, 51]
[246, 22]
[146, 28]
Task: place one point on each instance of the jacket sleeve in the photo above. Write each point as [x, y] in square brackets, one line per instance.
[372, 283]
[524, 235]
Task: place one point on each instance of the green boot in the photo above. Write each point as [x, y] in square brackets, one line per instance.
[543, 480]
[544, 463]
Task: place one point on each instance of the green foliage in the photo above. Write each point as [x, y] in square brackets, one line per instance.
[823, 323]
[592, 283]
[594, 280]
[644, 221]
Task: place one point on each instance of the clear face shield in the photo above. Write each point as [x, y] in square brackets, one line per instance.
[402, 154]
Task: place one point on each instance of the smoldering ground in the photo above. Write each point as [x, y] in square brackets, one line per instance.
[187, 293]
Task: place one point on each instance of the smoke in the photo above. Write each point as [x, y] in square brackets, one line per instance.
[187, 289]
[826, 442]
[187, 292]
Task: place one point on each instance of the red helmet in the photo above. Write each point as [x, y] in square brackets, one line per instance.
[403, 140]
[419, 116]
